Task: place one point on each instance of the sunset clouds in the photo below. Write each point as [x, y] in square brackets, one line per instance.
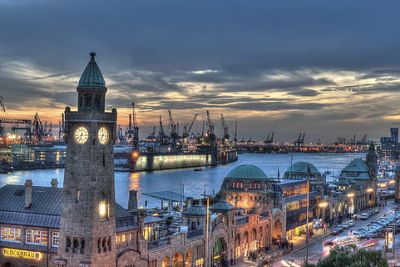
[321, 68]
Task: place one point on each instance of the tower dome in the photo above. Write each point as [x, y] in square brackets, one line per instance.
[246, 172]
[92, 76]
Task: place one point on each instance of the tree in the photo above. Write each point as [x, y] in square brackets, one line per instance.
[350, 257]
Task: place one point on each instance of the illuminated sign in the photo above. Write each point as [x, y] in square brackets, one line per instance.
[24, 254]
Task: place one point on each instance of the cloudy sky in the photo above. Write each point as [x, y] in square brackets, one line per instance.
[326, 68]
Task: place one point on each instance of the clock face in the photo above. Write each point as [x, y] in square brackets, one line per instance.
[81, 135]
[103, 135]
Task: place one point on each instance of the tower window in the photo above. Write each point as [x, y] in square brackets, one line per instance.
[97, 101]
[76, 244]
[88, 100]
[104, 160]
[82, 246]
[103, 244]
[103, 209]
[68, 244]
[77, 195]
[99, 245]
[109, 243]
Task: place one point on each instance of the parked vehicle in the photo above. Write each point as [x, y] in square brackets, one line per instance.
[364, 216]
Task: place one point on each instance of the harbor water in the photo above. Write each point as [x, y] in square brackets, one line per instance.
[192, 183]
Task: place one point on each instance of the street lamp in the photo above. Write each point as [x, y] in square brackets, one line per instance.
[321, 204]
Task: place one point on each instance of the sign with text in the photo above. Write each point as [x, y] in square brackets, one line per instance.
[23, 254]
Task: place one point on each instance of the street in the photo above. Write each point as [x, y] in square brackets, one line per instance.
[297, 256]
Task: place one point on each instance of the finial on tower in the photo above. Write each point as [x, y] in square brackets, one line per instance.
[92, 54]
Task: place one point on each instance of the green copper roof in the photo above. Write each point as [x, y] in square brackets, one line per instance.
[222, 205]
[91, 76]
[303, 168]
[195, 211]
[357, 169]
[247, 172]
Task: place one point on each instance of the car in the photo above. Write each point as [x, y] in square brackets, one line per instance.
[335, 231]
[364, 216]
[351, 223]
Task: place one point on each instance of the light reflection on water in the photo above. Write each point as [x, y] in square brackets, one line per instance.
[194, 182]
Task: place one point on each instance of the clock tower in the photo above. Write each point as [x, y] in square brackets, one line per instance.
[87, 227]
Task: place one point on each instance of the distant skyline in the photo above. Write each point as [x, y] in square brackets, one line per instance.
[326, 68]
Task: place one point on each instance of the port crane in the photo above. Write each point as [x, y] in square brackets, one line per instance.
[270, 139]
[225, 129]
[3, 106]
[172, 125]
[300, 140]
[161, 133]
[235, 138]
[210, 131]
[135, 139]
[186, 130]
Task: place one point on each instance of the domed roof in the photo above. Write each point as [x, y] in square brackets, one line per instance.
[222, 206]
[91, 76]
[358, 168]
[303, 168]
[246, 172]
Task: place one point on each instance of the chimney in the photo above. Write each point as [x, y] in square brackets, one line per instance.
[28, 193]
[132, 201]
[54, 183]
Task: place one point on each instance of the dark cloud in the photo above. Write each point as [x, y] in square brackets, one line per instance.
[233, 50]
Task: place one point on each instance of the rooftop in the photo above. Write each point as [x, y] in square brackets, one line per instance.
[357, 169]
[246, 172]
[46, 207]
[302, 167]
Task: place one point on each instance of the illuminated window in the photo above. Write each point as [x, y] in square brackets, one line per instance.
[199, 262]
[36, 237]
[103, 209]
[55, 239]
[10, 234]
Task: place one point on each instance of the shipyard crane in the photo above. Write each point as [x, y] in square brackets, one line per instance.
[270, 139]
[300, 140]
[172, 125]
[135, 140]
[161, 133]
[225, 129]
[3, 106]
[186, 130]
[210, 131]
[38, 131]
[121, 136]
[235, 138]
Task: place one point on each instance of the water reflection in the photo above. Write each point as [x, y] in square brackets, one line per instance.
[134, 181]
[195, 182]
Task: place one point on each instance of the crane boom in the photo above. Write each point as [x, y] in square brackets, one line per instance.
[192, 123]
[224, 127]
[3, 106]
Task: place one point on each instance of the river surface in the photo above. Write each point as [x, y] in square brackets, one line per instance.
[193, 182]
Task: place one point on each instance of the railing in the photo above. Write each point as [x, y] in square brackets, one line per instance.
[194, 233]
